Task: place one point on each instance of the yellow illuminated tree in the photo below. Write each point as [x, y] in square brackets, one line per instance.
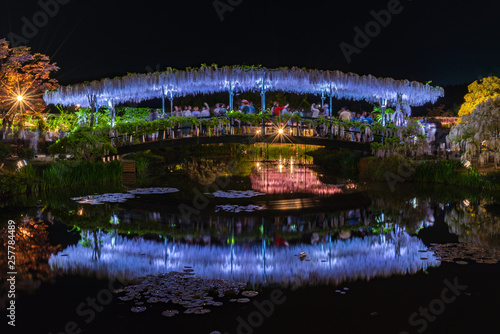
[479, 92]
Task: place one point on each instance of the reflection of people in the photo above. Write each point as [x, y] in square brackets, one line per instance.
[280, 242]
[314, 238]
[429, 218]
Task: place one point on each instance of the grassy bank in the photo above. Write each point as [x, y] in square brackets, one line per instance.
[32, 178]
[398, 169]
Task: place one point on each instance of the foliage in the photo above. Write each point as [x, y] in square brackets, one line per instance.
[435, 111]
[378, 169]
[480, 130]
[132, 114]
[83, 143]
[15, 182]
[439, 171]
[479, 92]
[5, 151]
[65, 121]
[23, 74]
[67, 173]
[26, 153]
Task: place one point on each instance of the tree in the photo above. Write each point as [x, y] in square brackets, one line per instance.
[24, 77]
[479, 131]
[479, 91]
[83, 143]
[435, 111]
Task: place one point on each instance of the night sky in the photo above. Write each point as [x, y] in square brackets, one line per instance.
[449, 43]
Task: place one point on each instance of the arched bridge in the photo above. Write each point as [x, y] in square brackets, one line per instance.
[242, 139]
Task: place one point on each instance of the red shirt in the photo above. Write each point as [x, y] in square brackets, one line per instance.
[277, 110]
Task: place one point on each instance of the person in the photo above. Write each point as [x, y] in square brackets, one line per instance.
[315, 114]
[21, 136]
[34, 140]
[217, 110]
[342, 109]
[345, 114]
[362, 118]
[222, 109]
[205, 110]
[187, 111]
[325, 110]
[245, 108]
[177, 111]
[353, 117]
[251, 108]
[276, 109]
[369, 118]
[196, 112]
[314, 111]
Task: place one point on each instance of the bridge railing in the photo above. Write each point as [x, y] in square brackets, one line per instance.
[186, 127]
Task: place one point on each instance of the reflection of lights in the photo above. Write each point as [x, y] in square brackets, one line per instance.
[114, 220]
[466, 202]
[25, 232]
[258, 131]
[80, 212]
[298, 179]
[414, 202]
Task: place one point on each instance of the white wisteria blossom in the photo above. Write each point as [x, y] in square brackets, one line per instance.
[212, 79]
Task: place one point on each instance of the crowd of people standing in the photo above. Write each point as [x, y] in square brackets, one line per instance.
[247, 107]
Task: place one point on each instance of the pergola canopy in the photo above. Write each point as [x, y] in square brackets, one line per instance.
[212, 79]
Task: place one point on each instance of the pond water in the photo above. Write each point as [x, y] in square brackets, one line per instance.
[176, 250]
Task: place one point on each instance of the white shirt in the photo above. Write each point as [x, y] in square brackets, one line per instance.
[315, 112]
[205, 113]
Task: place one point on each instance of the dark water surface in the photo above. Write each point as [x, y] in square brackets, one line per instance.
[366, 268]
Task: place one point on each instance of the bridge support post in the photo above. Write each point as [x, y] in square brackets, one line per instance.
[231, 95]
[163, 102]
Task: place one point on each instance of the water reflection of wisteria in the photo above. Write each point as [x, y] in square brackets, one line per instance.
[288, 178]
[331, 262]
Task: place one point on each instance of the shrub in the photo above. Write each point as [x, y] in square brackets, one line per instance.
[439, 171]
[26, 153]
[5, 151]
[83, 143]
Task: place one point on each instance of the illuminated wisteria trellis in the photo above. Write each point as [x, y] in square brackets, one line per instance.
[234, 79]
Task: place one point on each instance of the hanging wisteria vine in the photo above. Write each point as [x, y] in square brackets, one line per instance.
[212, 79]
